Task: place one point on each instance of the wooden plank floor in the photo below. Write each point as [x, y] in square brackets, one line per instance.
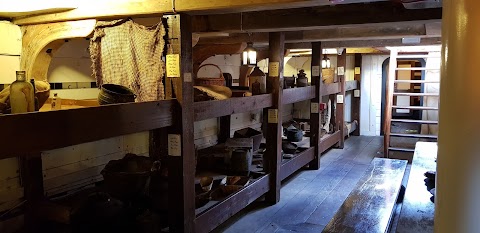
[309, 199]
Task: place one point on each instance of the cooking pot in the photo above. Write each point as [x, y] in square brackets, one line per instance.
[289, 148]
[293, 134]
[114, 94]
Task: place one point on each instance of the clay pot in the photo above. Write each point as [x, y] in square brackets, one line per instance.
[289, 82]
[126, 178]
[302, 80]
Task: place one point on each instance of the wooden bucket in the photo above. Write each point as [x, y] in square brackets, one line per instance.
[206, 81]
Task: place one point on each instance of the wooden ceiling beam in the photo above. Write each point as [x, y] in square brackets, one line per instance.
[365, 43]
[114, 9]
[378, 13]
[332, 34]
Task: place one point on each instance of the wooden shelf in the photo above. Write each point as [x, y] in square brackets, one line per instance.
[415, 121]
[329, 140]
[294, 95]
[40, 131]
[406, 135]
[218, 108]
[331, 89]
[351, 85]
[416, 94]
[416, 81]
[292, 165]
[223, 210]
[417, 68]
[415, 108]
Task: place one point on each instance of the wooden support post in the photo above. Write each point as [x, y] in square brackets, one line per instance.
[340, 119]
[157, 144]
[181, 151]
[32, 180]
[274, 114]
[225, 127]
[390, 86]
[356, 100]
[315, 124]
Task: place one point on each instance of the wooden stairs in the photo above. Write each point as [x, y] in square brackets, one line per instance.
[392, 94]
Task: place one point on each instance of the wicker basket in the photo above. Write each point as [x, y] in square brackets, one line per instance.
[205, 81]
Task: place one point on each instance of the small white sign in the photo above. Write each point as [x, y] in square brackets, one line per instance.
[339, 99]
[356, 93]
[341, 70]
[273, 116]
[316, 71]
[174, 145]
[274, 69]
[187, 77]
[314, 107]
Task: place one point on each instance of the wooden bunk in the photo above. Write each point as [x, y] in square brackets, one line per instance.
[170, 118]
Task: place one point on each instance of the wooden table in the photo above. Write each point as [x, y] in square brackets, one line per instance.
[417, 210]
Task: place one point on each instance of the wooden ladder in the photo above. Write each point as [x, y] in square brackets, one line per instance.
[392, 92]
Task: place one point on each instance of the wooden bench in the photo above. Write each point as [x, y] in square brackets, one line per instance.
[369, 207]
[417, 210]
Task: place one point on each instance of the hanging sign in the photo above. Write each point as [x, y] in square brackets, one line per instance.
[173, 65]
[174, 145]
[273, 116]
[274, 69]
[356, 93]
[341, 70]
[314, 107]
[315, 71]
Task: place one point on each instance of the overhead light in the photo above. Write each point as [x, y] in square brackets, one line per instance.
[326, 62]
[411, 40]
[249, 55]
[425, 48]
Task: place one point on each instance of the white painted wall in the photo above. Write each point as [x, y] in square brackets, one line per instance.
[227, 63]
[71, 63]
[371, 94]
[10, 50]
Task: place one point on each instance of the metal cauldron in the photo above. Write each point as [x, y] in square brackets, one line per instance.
[114, 94]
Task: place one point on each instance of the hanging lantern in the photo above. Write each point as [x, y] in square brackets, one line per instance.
[249, 55]
[325, 62]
